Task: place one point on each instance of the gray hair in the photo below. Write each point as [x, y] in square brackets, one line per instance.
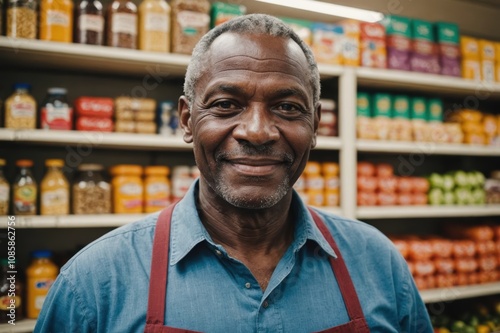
[248, 24]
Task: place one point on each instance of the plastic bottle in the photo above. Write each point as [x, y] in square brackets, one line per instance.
[56, 20]
[56, 113]
[154, 26]
[128, 189]
[4, 191]
[25, 190]
[11, 291]
[54, 190]
[156, 188]
[40, 276]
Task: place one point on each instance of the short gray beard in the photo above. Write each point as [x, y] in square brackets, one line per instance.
[270, 200]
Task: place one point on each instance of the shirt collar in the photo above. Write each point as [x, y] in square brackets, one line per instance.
[187, 230]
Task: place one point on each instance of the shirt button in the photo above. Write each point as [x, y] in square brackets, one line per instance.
[218, 252]
[248, 285]
[265, 304]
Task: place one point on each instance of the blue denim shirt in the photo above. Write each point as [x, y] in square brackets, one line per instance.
[104, 288]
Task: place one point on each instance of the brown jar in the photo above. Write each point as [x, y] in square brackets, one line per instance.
[89, 22]
[122, 24]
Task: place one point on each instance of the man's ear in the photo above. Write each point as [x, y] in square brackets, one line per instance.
[185, 119]
[317, 118]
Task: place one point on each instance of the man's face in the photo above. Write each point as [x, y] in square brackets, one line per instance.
[253, 121]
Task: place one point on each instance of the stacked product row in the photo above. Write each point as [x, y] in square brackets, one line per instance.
[319, 184]
[399, 117]
[468, 255]
[132, 189]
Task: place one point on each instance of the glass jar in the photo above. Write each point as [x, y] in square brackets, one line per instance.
[25, 190]
[315, 184]
[56, 20]
[54, 190]
[20, 108]
[10, 298]
[331, 178]
[127, 189]
[89, 22]
[40, 275]
[21, 19]
[56, 113]
[190, 21]
[156, 188]
[91, 193]
[4, 191]
[121, 23]
[154, 26]
[181, 181]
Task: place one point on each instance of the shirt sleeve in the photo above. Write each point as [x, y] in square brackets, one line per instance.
[63, 310]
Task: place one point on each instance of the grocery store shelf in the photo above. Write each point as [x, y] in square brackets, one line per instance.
[454, 293]
[54, 55]
[328, 71]
[394, 212]
[430, 83]
[21, 326]
[73, 221]
[95, 139]
[426, 148]
[327, 143]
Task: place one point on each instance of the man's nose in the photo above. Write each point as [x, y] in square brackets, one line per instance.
[257, 126]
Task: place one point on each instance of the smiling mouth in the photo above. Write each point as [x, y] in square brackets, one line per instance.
[256, 167]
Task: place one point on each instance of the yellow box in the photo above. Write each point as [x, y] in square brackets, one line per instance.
[486, 49]
[488, 70]
[497, 51]
[351, 43]
[471, 69]
[497, 71]
[469, 47]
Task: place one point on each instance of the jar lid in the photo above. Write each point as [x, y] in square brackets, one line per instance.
[126, 169]
[90, 167]
[22, 86]
[156, 170]
[37, 254]
[2, 162]
[54, 163]
[24, 163]
[57, 91]
[312, 168]
[330, 168]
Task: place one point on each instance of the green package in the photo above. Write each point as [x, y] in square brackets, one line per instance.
[423, 30]
[447, 33]
[397, 25]
[435, 110]
[401, 107]
[222, 12]
[418, 108]
[382, 105]
[363, 105]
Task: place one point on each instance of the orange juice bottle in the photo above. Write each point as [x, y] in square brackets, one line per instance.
[40, 276]
[128, 189]
[331, 174]
[156, 188]
[315, 184]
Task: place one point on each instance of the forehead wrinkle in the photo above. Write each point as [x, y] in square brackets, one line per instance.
[259, 59]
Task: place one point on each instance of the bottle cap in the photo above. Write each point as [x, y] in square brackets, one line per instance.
[22, 86]
[90, 167]
[156, 170]
[37, 254]
[54, 163]
[57, 91]
[126, 169]
[24, 163]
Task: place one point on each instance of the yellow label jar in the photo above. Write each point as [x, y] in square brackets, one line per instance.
[315, 184]
[54, 190]
[56, 20]
[40, 275]
[156, 188]
[154, 26]
[127, 189]
[331, 177]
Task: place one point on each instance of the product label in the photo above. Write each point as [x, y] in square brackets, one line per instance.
[156, 22]
[157, 188]
[180, 186]
[22, 110]
[315, 183]
[131, 189]
[53, 198]
[191, 22]
[4, 193]
[56, 117]
[91, 23]
[124, 23]
[6, 302]
[56, 17]
[332, 183]
[25, 198]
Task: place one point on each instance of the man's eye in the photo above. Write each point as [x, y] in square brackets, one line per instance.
[288, 107]
[224, 105]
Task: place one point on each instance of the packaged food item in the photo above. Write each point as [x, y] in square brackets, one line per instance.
[40, 275]
[366, 198]
[382, 114]
[157, 188]
[20, 108]
[486, 50]
[54, 190]
[21, 19]
[469, 47]
[127, 188]
[471, 69]
[89, 22]
[91, 192]
[315, 183]
[435, 109]
[327, 43]
[386, 198]
[168, 119]
[121, 21]
[129, 126]
[400, 128]
[154, 26]
[11, 294]
[181, 181]
[24, 190]
[424, 55]
[330, 172]
[56, 20]
[56, 113]
[95, 124]
[352, 43]
[128, 108]
[399, 34]
[4, 190]
[488, 71]
[301, 28]
[366, 169]
[190, 21]
[223, 12]
[448, 39]
[373, 45]
[328, 122]
[365, 127]
[300, 188]
[100, 107]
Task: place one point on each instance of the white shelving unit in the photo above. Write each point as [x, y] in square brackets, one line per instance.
[426, 148]
[74, 221]
[21, 326]
[392, 212]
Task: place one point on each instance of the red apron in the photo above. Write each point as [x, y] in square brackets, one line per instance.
[155, 317]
